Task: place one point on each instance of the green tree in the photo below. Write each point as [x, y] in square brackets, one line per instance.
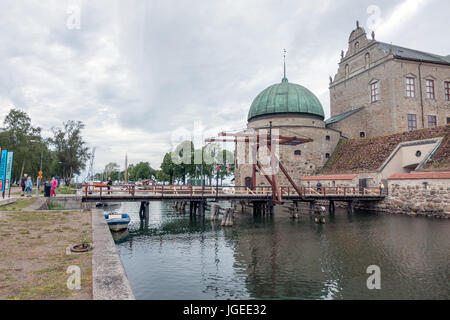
[143, 170]
[71, 150]
[183, 158]
[162, 177]
[20, 136]
[112, 170]
[168, 168]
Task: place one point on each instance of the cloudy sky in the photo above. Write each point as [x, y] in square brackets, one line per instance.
[142, 74]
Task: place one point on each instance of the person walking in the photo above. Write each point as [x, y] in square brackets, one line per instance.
[54, 185]
[109, 184]
[29, 187]
[382, 188]
[319, 187]
[23, 183]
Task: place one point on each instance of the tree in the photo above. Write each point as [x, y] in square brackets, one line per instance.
[143, 170]
[20, 136]
[162, 177]
[112, 170]
[71, 151]
[183, 158]
[168, 168]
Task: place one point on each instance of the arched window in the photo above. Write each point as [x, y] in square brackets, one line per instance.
[356, 46]
[327, 155]
[347, 70]
[367, 59]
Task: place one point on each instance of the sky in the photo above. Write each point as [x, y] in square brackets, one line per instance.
[144, 75]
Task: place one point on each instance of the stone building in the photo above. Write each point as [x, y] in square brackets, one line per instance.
[293, 110]
[379, 90]
[382, 89]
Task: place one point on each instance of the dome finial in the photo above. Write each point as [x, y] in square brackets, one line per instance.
[284, 59]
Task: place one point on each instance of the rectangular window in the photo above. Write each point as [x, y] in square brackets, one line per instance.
[412, 122]
[432, 121]
[374, 92]
[448, 120]
[430, 89]
[410, 87]
[447, 90]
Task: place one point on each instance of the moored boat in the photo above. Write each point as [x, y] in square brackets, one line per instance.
[117, 221]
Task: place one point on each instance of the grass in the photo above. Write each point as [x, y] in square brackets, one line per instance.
[367, 155]
[20, 204]
[34, 261]
[65, 190]
[55, 206]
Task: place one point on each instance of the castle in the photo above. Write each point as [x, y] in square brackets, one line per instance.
[380, 89]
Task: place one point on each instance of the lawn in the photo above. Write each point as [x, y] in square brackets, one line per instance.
[21, 203]
[34, 257]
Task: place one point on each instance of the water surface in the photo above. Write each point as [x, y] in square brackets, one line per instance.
[176, 257]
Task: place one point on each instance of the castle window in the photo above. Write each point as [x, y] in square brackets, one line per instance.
[432, 122]
[410, 87]
[418, 153]
[298, 152]
[356, 46]
[362, 134]
[367, 59]
[347, 70]
[327, 138]
[374, 92]
[448, 120]
[412, 122]
[327, 155]
[430, 88]
[447, 90]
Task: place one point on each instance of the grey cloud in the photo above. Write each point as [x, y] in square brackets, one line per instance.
[140, 69]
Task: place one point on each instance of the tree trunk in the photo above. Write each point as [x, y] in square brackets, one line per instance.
[23, 167]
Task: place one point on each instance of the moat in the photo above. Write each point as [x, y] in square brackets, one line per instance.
[177, 257]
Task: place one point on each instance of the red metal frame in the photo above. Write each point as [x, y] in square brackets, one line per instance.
[257, 139]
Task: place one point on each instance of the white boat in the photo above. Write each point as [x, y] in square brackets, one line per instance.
[117, 221]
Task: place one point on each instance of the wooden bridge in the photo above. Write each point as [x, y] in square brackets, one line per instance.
[126, 193]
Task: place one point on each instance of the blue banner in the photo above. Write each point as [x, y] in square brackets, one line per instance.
[9, 163]
[3, 169]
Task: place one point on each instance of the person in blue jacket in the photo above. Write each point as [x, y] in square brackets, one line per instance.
[29, 187]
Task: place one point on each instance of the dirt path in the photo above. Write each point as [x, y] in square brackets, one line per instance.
[34, 261]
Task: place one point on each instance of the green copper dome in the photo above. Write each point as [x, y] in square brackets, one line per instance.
[288, 98]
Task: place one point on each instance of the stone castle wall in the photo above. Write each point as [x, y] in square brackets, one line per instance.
[427, 197]
[350, 90]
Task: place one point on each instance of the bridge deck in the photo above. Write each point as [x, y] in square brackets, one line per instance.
[191, 193]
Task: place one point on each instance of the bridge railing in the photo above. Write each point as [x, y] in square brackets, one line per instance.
[174, 190]
[342, 191]
[188, 190]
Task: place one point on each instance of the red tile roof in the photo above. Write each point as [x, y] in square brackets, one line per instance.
[421, 175]
[331, 177]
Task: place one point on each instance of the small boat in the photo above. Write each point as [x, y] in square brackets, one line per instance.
[107, 204]
[117, 221]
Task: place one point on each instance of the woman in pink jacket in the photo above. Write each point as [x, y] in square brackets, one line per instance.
[54, 185]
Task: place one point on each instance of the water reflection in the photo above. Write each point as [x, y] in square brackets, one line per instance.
[173, 256]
